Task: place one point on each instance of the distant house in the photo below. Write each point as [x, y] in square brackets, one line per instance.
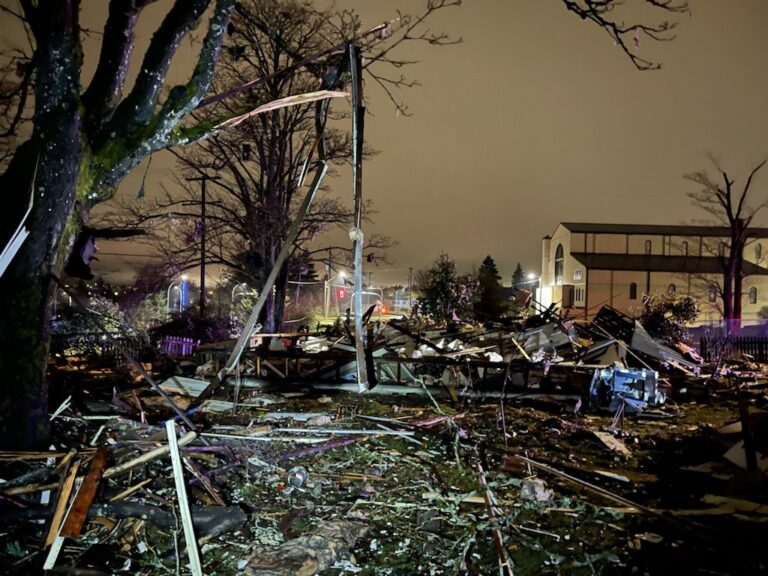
[585, 266]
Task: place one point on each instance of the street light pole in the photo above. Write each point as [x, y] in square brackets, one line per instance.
[410, 288]
[171, 286]
[202, 179]
[356, 234]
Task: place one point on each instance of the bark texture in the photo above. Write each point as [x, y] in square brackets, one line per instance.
[80, 149]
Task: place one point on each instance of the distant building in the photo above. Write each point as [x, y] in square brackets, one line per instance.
[585, 266]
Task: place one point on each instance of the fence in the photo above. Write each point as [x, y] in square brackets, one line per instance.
[99, 345]
[728, 347]
[178, 346]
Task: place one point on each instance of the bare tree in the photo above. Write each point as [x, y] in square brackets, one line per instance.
[292, 47]
[606, 14]
[729, 206]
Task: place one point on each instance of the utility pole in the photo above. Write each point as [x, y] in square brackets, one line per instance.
[356, 234]
[410, 287]
[202, 179]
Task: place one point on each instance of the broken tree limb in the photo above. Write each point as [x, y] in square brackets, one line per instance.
[181, 495]
[146, 457]
[245, 335]
[294, 100]
[207, 520]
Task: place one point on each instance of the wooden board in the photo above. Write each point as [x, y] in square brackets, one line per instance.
[76, 517]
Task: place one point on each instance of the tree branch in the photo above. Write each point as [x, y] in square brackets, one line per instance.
[106, 87]
[627, 37]
[139, 106]
[181, 101]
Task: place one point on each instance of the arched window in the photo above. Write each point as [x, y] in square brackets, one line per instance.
[712, 294]
[758, 251]
[721, 249]
[753, 295]
[633, 291]
[671, 290]
[559, 265]
[684, 248]
[648, 246]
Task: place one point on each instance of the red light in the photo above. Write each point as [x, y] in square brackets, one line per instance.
[341, 293]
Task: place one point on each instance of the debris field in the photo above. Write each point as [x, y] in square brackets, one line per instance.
[538, 448]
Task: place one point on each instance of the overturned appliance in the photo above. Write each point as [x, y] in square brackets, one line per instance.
[635, 388]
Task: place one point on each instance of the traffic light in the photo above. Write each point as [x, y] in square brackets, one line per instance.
[341, 293]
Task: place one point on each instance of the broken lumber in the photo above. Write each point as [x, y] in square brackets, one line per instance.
[61, 504]
[76, 517]
[181, 496]
[146, 457]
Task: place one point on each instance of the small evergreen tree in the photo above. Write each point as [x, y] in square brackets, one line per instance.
[491, 302]
[518, 276]
[446, 296]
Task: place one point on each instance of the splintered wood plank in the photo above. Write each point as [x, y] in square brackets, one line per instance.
[61, 504]
[76, 517]
[181, 495]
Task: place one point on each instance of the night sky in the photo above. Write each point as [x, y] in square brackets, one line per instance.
[537, 118]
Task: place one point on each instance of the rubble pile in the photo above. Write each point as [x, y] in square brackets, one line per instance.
[541, 448]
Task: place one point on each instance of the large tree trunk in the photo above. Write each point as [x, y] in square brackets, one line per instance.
[738, 281]
[738, 240]
[727, 298]
[54, 153]
[281, 293]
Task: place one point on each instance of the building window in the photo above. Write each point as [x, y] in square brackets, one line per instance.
[758, 251]
[577, 274]
[684, 248]
[721, 249]
[648, 246]
[712, 294]
[559, 265]
[753, 295]
[633, 291]
[671, 290]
